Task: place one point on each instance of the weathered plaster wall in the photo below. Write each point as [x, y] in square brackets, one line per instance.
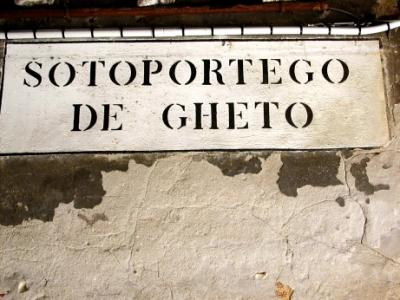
[219, 225]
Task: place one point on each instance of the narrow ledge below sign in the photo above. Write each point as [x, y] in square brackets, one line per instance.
[192, 95]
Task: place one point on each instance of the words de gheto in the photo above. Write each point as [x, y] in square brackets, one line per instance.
[205, 73]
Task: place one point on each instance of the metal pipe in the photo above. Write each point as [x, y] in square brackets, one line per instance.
[158, 32]
[163, 11]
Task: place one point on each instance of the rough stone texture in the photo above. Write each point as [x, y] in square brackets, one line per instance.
[255, 225]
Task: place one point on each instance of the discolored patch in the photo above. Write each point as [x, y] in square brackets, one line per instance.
[283, 291]
[362, 184]
[307, 168]
[33, 188]
[232, 163]
[147, 159]
[95, 218]
[340, 201]
[347, 153]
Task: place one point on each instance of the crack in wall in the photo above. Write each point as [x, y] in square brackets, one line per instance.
[32, 188]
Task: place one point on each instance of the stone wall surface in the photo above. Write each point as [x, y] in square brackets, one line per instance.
[206, 225]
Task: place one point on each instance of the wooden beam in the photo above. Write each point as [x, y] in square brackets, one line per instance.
[274, 7]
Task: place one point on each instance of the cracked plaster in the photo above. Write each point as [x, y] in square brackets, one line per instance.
[211, 226]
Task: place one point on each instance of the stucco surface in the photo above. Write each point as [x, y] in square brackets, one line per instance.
[218, 225]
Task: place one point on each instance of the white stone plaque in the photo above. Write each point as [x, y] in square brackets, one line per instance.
[192, 95]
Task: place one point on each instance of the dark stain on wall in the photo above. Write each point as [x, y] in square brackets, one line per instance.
[92, 220]
[232, 163]
[307, 168]
[340, 201]
[347, 153]
[32, 188]
[359, 172]
[147, 159]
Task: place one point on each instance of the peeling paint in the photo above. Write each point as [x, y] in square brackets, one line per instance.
[307, 168]
[33, 188]
[347, 153]
[147, 159]
[328, 251]
[95, 218]
[232, 164]
[340, 201]
[362, 184]
[283, 291]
